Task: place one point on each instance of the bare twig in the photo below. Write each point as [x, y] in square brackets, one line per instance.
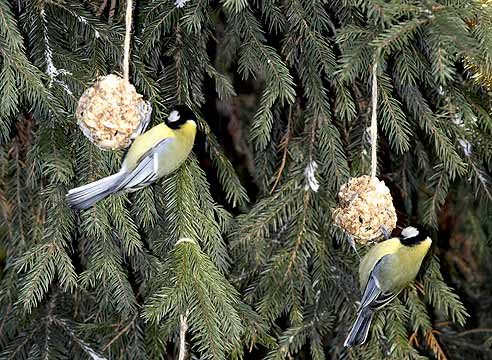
[183, 328]
[284, 144]
[101, 8]
[112, 10]
[475, 331]
[123, 331]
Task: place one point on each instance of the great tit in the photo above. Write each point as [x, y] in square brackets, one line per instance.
[385, 270]
[153, 154]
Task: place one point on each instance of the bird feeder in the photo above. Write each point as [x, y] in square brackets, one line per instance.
[111, 112]
[366, 209]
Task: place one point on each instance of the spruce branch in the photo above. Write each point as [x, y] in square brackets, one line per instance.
[441, 296]
[273, 279]
[398, 35]
[235, 192]
[439, 182]
[200, 290]
[284, 145]
[393, 119]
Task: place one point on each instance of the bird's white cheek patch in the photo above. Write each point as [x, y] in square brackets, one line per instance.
[173, 116]
[409, 231]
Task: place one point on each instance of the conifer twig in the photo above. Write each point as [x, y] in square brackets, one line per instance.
[2, 323]
[434, 344]
[112, 9]
[413, 340]
[101, 8]
[123, 331]
[474, 331]
[285, 145]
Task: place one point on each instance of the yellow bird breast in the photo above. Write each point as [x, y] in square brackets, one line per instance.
[402, 265]
[175, 152]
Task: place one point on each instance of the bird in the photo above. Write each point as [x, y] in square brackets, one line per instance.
[152, 155]
[386, 269]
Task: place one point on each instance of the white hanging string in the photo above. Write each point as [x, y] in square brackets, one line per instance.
[374, 123]
[126, 47]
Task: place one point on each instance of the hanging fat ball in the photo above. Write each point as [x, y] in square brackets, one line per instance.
[366, 209]
[386, 269]
[111, 113]
[153, 155]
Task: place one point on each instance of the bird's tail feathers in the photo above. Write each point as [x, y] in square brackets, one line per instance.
[87, 195]
[360, 329]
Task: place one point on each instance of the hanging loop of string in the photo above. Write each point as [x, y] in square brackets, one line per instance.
[126, 47]
[374, 122]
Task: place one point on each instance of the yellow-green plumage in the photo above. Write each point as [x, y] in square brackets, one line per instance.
[407, 261]
[386, 269]
[179, 149]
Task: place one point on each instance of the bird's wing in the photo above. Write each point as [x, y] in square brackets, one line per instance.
[373, 296]
[146, 171]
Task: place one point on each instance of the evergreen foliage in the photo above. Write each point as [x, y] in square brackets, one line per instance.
[264, 274]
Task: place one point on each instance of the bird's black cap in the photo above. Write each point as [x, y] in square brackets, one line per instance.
[179, 115]
[411, 236]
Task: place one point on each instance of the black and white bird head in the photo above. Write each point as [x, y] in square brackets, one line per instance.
[411, 236]
[180, 115]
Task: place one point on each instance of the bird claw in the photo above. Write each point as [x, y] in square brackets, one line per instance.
[352, 243]
[146, 115]
[385, 232]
